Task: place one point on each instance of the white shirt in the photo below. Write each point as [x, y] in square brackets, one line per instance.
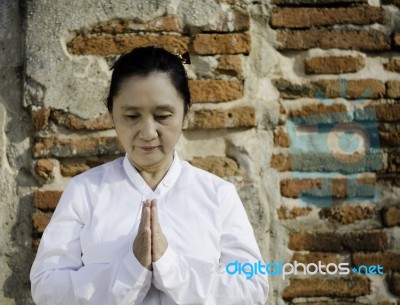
[85, 254]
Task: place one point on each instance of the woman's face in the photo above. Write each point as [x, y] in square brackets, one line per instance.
[148, 116]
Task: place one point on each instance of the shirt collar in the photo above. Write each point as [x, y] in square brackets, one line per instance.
[165, 184]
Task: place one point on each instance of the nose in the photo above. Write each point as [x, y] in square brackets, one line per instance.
[148, 130]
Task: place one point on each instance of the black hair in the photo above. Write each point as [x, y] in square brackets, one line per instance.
[144, 60]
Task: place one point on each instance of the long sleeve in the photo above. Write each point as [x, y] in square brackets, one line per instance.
[189, 281]
[58, 275]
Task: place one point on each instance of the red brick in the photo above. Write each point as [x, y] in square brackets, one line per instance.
[389, 135]
[394, 283]
[40, 221]
[231, 2]
[386, 112]
[220, 166]
[44, 169]
[330, 287]
[230, 65]
[285, 213]
[214, 91]
[91, 146]
[356, 88]
[339, 188]
[388, 260]
[396, 40]
[333, 303]
[293, 188]
[386, 303]
[223, 118]
[315, 109]
[281, 138]
[391, 216]
[73, 121]
[334, 64]
[71, 168]
[103, 45]
[389, 180]
[46, 200]
[335, 242]
[393, 162]
[393, 89]
[40, 117]
[315, 257]
[330, 88]
[164, 23]
[211, 44]
[347, 214]
[318, 3]
[367, 179]
[303, 17]
[371, 40]
[330, 302]
[281, 162]
[393, 64]
[391, 2]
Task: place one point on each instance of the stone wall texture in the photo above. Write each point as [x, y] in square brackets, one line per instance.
[297, 102]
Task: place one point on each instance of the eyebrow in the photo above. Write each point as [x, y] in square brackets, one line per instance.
[161, 107]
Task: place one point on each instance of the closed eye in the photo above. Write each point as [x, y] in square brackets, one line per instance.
[131, 116]
[162, 117]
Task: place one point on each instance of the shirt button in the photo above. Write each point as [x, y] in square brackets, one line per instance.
[166, 183]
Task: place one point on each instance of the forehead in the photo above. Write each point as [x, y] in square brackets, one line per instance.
[152, 91]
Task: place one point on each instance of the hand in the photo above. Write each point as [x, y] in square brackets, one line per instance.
[142, 246]
[159, 243]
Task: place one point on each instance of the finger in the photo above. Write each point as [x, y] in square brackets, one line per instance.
[147, 239]
[157, 227]
[141, 224]
[146, 220]
[147, 247]
[154, 218]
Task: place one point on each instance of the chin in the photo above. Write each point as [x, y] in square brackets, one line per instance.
[148, 160]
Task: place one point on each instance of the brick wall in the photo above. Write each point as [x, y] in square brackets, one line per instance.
[329, 63]
[355, 42]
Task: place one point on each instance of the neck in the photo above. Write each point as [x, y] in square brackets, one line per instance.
[153, 173]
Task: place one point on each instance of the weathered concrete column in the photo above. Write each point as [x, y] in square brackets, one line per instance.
[15, 159]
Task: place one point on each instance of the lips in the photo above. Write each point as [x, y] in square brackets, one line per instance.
[148, 148]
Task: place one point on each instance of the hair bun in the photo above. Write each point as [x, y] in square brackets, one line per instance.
[185, 57]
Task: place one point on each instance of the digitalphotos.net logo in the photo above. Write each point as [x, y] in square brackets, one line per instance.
[336, 144]
[295, 268]
[331, 145]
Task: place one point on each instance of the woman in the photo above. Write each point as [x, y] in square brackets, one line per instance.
[147, 228]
